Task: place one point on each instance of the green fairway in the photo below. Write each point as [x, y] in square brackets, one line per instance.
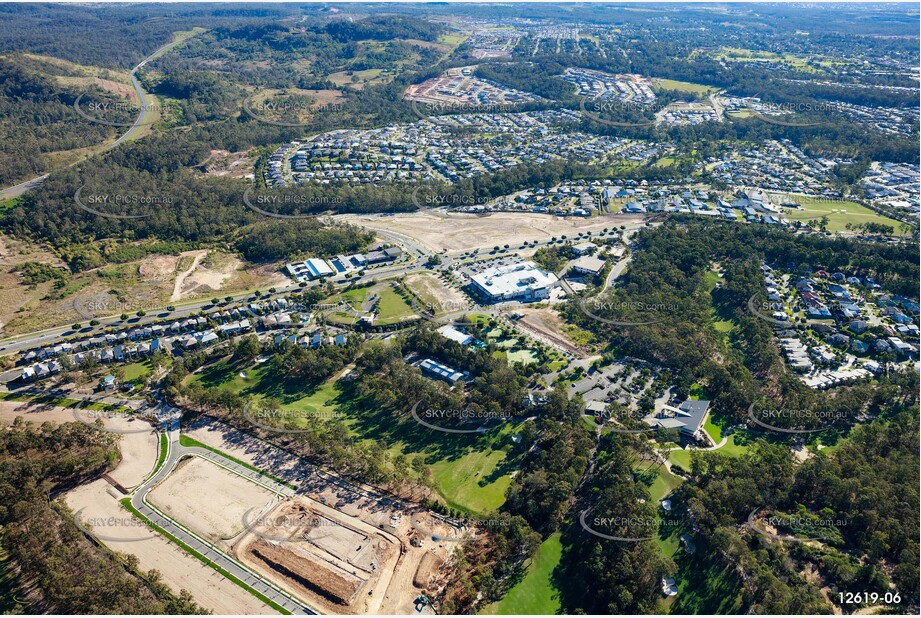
[696, 89]
[469, 472]
[839, 213]
[535, 593]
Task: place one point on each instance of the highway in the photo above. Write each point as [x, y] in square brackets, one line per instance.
[416, 250]
[142, 119]
[212, 554]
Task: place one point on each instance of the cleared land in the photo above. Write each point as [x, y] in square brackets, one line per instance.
[178, 570]
[148, 283]
[435, 295]
[458, 232]
[324, 555]
[208, 499]
[334, 517]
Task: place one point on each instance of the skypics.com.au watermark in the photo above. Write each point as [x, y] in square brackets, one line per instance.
[626, 529]
[112, 528]
[775, 113]
[279, 420]
[805, 528]
[593, 108]
[775, 312]
[101, 204]
[113, 114]
[286, 113]
[797, 420]
[434, 418]
[97, 419]
[442, 312]
[426, 199]
[626, 313]
[463, 530]
[296, 200]
[289, 527]
[428, 109]
[101, 305]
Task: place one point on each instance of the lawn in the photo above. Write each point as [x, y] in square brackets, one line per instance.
[458, 480]
[393, 308]
[134, 371]
[469, 472]
[452, 39]
[696, 89]
[535, 593]
[663, 483]
[736, 445]
[839, 213]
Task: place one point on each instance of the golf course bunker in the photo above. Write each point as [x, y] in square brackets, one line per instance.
[322, 555]
[208, 499]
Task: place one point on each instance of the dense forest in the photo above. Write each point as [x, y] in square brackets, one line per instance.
[37, 116]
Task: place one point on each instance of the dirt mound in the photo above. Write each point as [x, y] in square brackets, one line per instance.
[428, 567]
[308, 571]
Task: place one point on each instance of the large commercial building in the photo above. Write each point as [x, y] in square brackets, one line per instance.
[314, 268]
[688, 418]
[523, 281]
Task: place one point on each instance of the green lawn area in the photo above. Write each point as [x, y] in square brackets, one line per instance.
[524, 357]
[663, 483]
[713, 430]
[704, 587]
[393, 308]
[696, 89]
[535, 593]
[453, 39]
[742, 113]
[732, 447]
[458, 480]
[134, 371]
[839, 213]
[470, 472]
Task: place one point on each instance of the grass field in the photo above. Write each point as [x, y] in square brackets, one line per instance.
[133, 371]
[839, 213]
[732, 447]
[358, 79]
[469, 472]
[695, 89]
[393, 308]
[535, 593]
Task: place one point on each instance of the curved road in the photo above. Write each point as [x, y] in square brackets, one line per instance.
[203, 547]
[142, 119]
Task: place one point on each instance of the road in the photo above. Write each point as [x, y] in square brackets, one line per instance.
[26, 341]
[214, 556]
[142, 120]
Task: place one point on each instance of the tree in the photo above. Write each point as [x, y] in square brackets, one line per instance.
[248, 348]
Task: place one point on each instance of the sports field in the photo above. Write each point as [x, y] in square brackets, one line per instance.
[839, 213]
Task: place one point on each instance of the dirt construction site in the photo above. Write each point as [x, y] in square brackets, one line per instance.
[339, 547]
[462, 232]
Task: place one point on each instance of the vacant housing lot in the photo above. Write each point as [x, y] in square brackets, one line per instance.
[462, 232]
[208, 499]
